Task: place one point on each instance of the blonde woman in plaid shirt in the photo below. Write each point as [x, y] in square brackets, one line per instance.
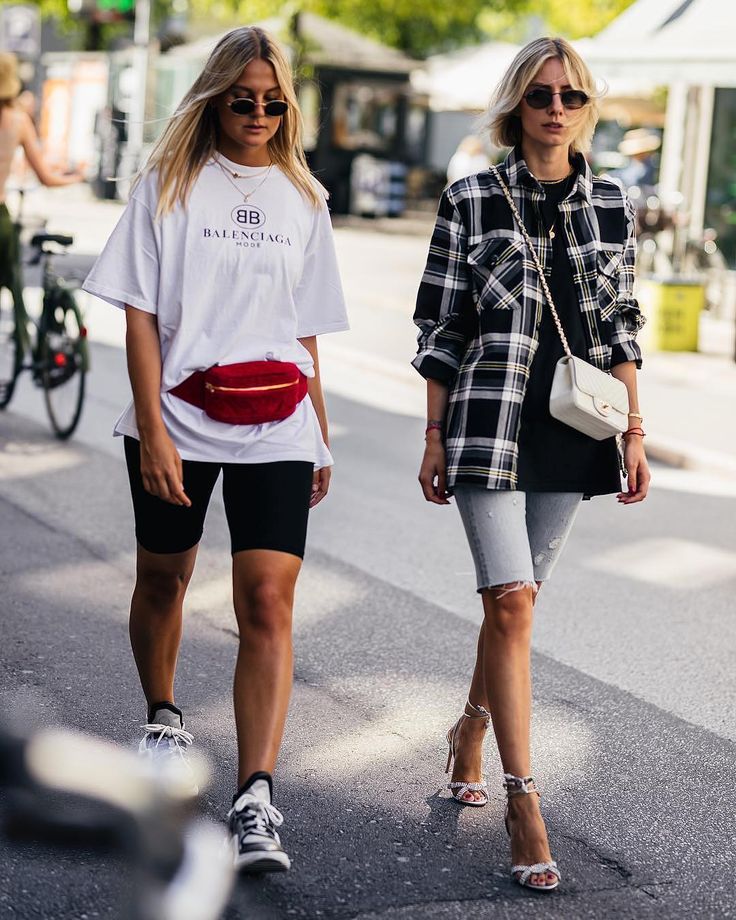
[487, 348]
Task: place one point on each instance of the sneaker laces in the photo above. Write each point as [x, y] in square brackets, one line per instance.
[181, 739]
[262, 816]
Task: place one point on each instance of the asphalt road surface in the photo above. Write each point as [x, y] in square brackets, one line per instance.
[634, 721]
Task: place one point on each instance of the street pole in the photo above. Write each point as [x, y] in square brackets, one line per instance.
[141, 37]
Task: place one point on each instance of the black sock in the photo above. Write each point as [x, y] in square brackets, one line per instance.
[259, 774]
[152, 709]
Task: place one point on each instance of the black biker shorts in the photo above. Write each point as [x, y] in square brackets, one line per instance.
[266, 504]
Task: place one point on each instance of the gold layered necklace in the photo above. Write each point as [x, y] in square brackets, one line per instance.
[228, 173]
[551, 230]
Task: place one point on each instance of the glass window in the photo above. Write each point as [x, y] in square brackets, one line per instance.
[720, 202]
[365, 117]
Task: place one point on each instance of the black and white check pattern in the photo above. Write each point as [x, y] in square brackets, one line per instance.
[480, 304]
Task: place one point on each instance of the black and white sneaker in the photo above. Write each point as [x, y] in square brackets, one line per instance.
[252, 822]
[166, 741]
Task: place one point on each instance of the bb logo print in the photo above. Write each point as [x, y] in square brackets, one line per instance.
[248, 217]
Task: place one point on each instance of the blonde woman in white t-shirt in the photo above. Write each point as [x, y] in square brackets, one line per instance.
[224, 263]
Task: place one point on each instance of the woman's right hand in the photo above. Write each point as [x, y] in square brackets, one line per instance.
[161, 469]
[433, 471]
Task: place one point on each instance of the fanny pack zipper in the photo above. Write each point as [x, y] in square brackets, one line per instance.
[274, 386]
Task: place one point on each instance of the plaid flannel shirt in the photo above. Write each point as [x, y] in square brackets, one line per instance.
[480, 303]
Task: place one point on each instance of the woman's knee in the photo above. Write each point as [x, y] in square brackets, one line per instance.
[162, 586]
[509, 609]
[265, 608]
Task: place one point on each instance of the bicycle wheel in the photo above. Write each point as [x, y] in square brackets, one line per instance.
[63, 362]
[11, 355]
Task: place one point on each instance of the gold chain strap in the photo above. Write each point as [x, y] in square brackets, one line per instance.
[535, 259]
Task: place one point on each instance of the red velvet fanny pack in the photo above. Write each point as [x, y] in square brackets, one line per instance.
[250, 393]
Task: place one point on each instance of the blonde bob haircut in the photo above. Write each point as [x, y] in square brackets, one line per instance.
[190, 138]
[502, 120]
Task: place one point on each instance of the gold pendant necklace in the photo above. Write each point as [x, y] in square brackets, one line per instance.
[237, 175]
[245, 195]
[551, 231]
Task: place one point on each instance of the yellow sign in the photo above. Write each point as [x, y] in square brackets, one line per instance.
[672, 309]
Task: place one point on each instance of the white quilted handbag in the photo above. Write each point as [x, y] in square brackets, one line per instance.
[582, 396]
[588, 399]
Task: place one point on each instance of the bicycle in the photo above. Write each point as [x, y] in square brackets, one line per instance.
[75, 790]
[55, 344]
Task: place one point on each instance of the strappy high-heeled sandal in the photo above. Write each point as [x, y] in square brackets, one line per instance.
[520, 785]
[458, 789]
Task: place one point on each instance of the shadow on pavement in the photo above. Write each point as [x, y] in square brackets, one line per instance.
[638, 807]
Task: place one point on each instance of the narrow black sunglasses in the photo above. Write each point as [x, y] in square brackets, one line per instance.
[540, 98]
[246, 106]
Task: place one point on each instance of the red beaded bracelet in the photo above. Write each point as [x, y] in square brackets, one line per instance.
[638, 431]
[433, 426]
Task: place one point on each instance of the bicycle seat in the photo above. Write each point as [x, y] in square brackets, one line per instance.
[39, 239]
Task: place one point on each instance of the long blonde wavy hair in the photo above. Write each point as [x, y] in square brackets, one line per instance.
[190, 138]
[502, 119]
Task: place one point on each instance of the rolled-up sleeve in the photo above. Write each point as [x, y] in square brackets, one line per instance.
[628, 318]
[445, 312]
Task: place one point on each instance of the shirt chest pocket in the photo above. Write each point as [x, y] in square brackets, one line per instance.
[609, 263]
[497, 267]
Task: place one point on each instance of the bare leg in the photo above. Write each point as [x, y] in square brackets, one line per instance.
[156, 618]
[471, 732]
[507, 669]
[506, 658]
[478, 694]
[263, 591]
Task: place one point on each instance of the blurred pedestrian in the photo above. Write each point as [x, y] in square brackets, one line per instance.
[17, 131]
[488, 347]
[224, 263]
[640, 145]
[20, 170]
[469, 158]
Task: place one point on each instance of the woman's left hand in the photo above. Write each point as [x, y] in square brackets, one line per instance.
[320, 485]
[639, 476]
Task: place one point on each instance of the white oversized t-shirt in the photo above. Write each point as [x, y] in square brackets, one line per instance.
[228, 281]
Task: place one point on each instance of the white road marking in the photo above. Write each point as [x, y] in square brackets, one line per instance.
[669, 562]
[26, 459]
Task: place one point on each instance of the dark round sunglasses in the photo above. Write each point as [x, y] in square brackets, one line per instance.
[247, 106]
[542, 98]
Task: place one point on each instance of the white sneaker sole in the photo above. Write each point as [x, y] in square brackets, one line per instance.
[265, 861]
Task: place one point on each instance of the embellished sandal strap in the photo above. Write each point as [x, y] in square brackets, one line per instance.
[479, 712]
[536, 869]
[458, 790]
[472, 787]
[519, 785]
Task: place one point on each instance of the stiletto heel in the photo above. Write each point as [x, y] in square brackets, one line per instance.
[458, 789]
[524, 785]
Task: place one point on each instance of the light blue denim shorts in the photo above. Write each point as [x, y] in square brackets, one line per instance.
[515, 536]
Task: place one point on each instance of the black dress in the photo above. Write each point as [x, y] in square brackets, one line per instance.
[553, 457]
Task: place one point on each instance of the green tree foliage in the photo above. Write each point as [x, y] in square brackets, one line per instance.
[52, 8]
[569, 18]
[422, 27]
[418, 27]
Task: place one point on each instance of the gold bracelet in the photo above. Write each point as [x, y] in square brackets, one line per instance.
[636, 415]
